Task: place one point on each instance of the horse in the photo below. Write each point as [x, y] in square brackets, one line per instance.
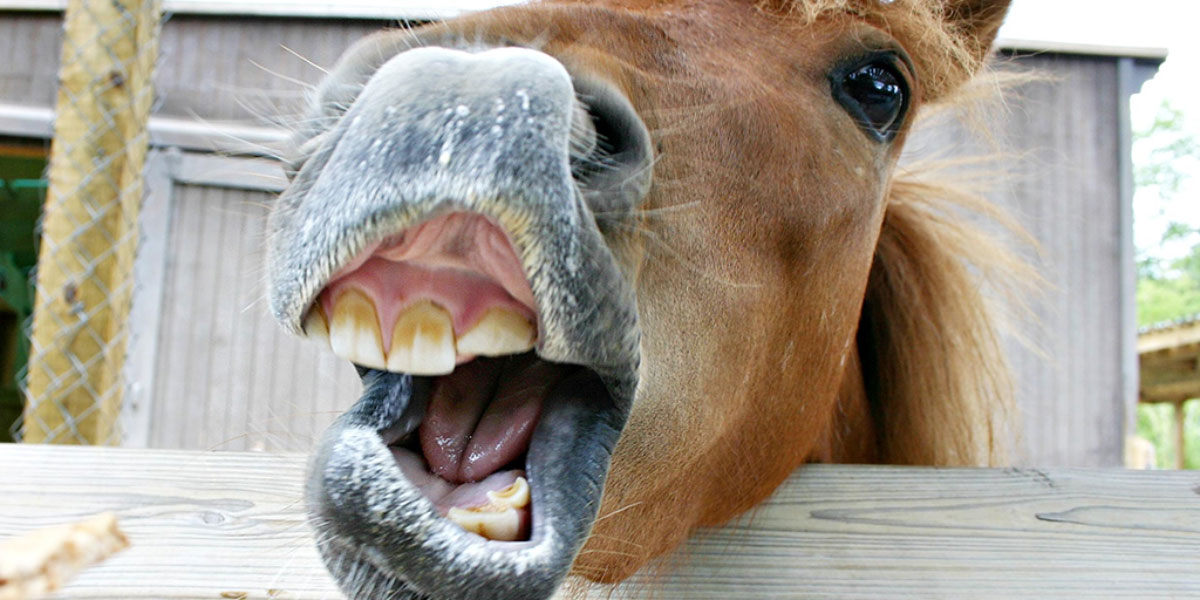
[611, 270]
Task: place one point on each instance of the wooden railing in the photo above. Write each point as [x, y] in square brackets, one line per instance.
[208, 525]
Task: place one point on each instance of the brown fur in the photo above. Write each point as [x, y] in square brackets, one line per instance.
[798, 302]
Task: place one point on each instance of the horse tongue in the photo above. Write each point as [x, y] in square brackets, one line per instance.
[481, 417]
[456, 403]
[506, 427]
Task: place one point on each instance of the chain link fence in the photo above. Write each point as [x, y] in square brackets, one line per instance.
[73, 384]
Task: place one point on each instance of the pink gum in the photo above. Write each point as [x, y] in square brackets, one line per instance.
[460, 261]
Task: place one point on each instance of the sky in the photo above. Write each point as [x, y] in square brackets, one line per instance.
[1169, 24]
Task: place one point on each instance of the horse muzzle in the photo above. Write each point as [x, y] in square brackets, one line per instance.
[442, 236]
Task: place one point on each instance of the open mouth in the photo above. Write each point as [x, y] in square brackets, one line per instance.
[460, 316]
[442, 240]
[471, 461]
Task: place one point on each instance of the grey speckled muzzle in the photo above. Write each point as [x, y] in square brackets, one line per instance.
[436, 131]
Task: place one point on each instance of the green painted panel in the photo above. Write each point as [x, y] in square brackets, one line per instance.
[22, 191]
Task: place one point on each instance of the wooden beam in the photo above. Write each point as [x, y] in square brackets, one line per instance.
[1171, 337]
[1171, 392]
[1167, 373]
[1180, 438]
[211, 525]
[388, 10]
[190, 134]
[1170, 374]
[20, 150]
[1153, 53]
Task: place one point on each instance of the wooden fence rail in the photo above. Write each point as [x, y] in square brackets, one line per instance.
[208, 525]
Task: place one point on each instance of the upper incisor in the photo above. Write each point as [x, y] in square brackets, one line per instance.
[422, 340]
[354, 330]
[500, 331]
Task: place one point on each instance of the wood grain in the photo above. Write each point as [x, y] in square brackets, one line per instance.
[210, 525]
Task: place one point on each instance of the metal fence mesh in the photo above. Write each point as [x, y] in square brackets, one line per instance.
[73, 385]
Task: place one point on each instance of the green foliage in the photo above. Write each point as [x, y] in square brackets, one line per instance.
[1156, 422]
[1166, 155]
[1169, 290]
[1168, 286]
[1165, 144]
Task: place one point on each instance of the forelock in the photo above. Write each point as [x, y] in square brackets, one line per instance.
[944, 53]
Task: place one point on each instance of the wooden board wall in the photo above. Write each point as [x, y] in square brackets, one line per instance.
[1057, 173]
[227, 376]
[214, 68]
[31, 41]
[1067, 195]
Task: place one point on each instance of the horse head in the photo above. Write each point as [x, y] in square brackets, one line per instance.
[611, 270]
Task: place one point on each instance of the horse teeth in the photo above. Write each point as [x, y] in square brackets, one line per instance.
[498, 519]
[315, 325]
[423, 341]
[499, 332]
[354, 331]
[501, 526]
[513, 496]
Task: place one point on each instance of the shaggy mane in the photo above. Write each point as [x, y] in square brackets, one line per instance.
[934, 367]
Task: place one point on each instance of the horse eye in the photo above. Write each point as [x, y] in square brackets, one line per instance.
[875, 94]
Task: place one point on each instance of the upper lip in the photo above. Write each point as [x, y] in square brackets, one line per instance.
[379, 190]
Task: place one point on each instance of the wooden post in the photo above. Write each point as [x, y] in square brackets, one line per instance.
[1180, 444]
[90, 226]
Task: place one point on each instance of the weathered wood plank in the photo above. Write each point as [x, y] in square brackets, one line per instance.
[204, 524]
[248, 385]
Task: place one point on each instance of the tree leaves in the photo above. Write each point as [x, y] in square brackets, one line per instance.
[1167, 158]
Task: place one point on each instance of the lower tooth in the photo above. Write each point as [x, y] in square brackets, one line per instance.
[498, 519]
[422, 341]
[513, 496]
[354, 331]
[500, 526]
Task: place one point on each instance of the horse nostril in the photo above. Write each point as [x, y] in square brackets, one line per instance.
[611, 153]
[585, 143]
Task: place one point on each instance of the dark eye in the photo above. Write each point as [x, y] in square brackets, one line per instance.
[874, 93]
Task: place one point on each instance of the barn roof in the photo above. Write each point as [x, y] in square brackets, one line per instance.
[1169, 361]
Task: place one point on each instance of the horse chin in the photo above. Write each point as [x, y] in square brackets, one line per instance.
[382, 535]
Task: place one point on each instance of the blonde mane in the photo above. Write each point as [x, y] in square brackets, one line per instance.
[934, 365]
